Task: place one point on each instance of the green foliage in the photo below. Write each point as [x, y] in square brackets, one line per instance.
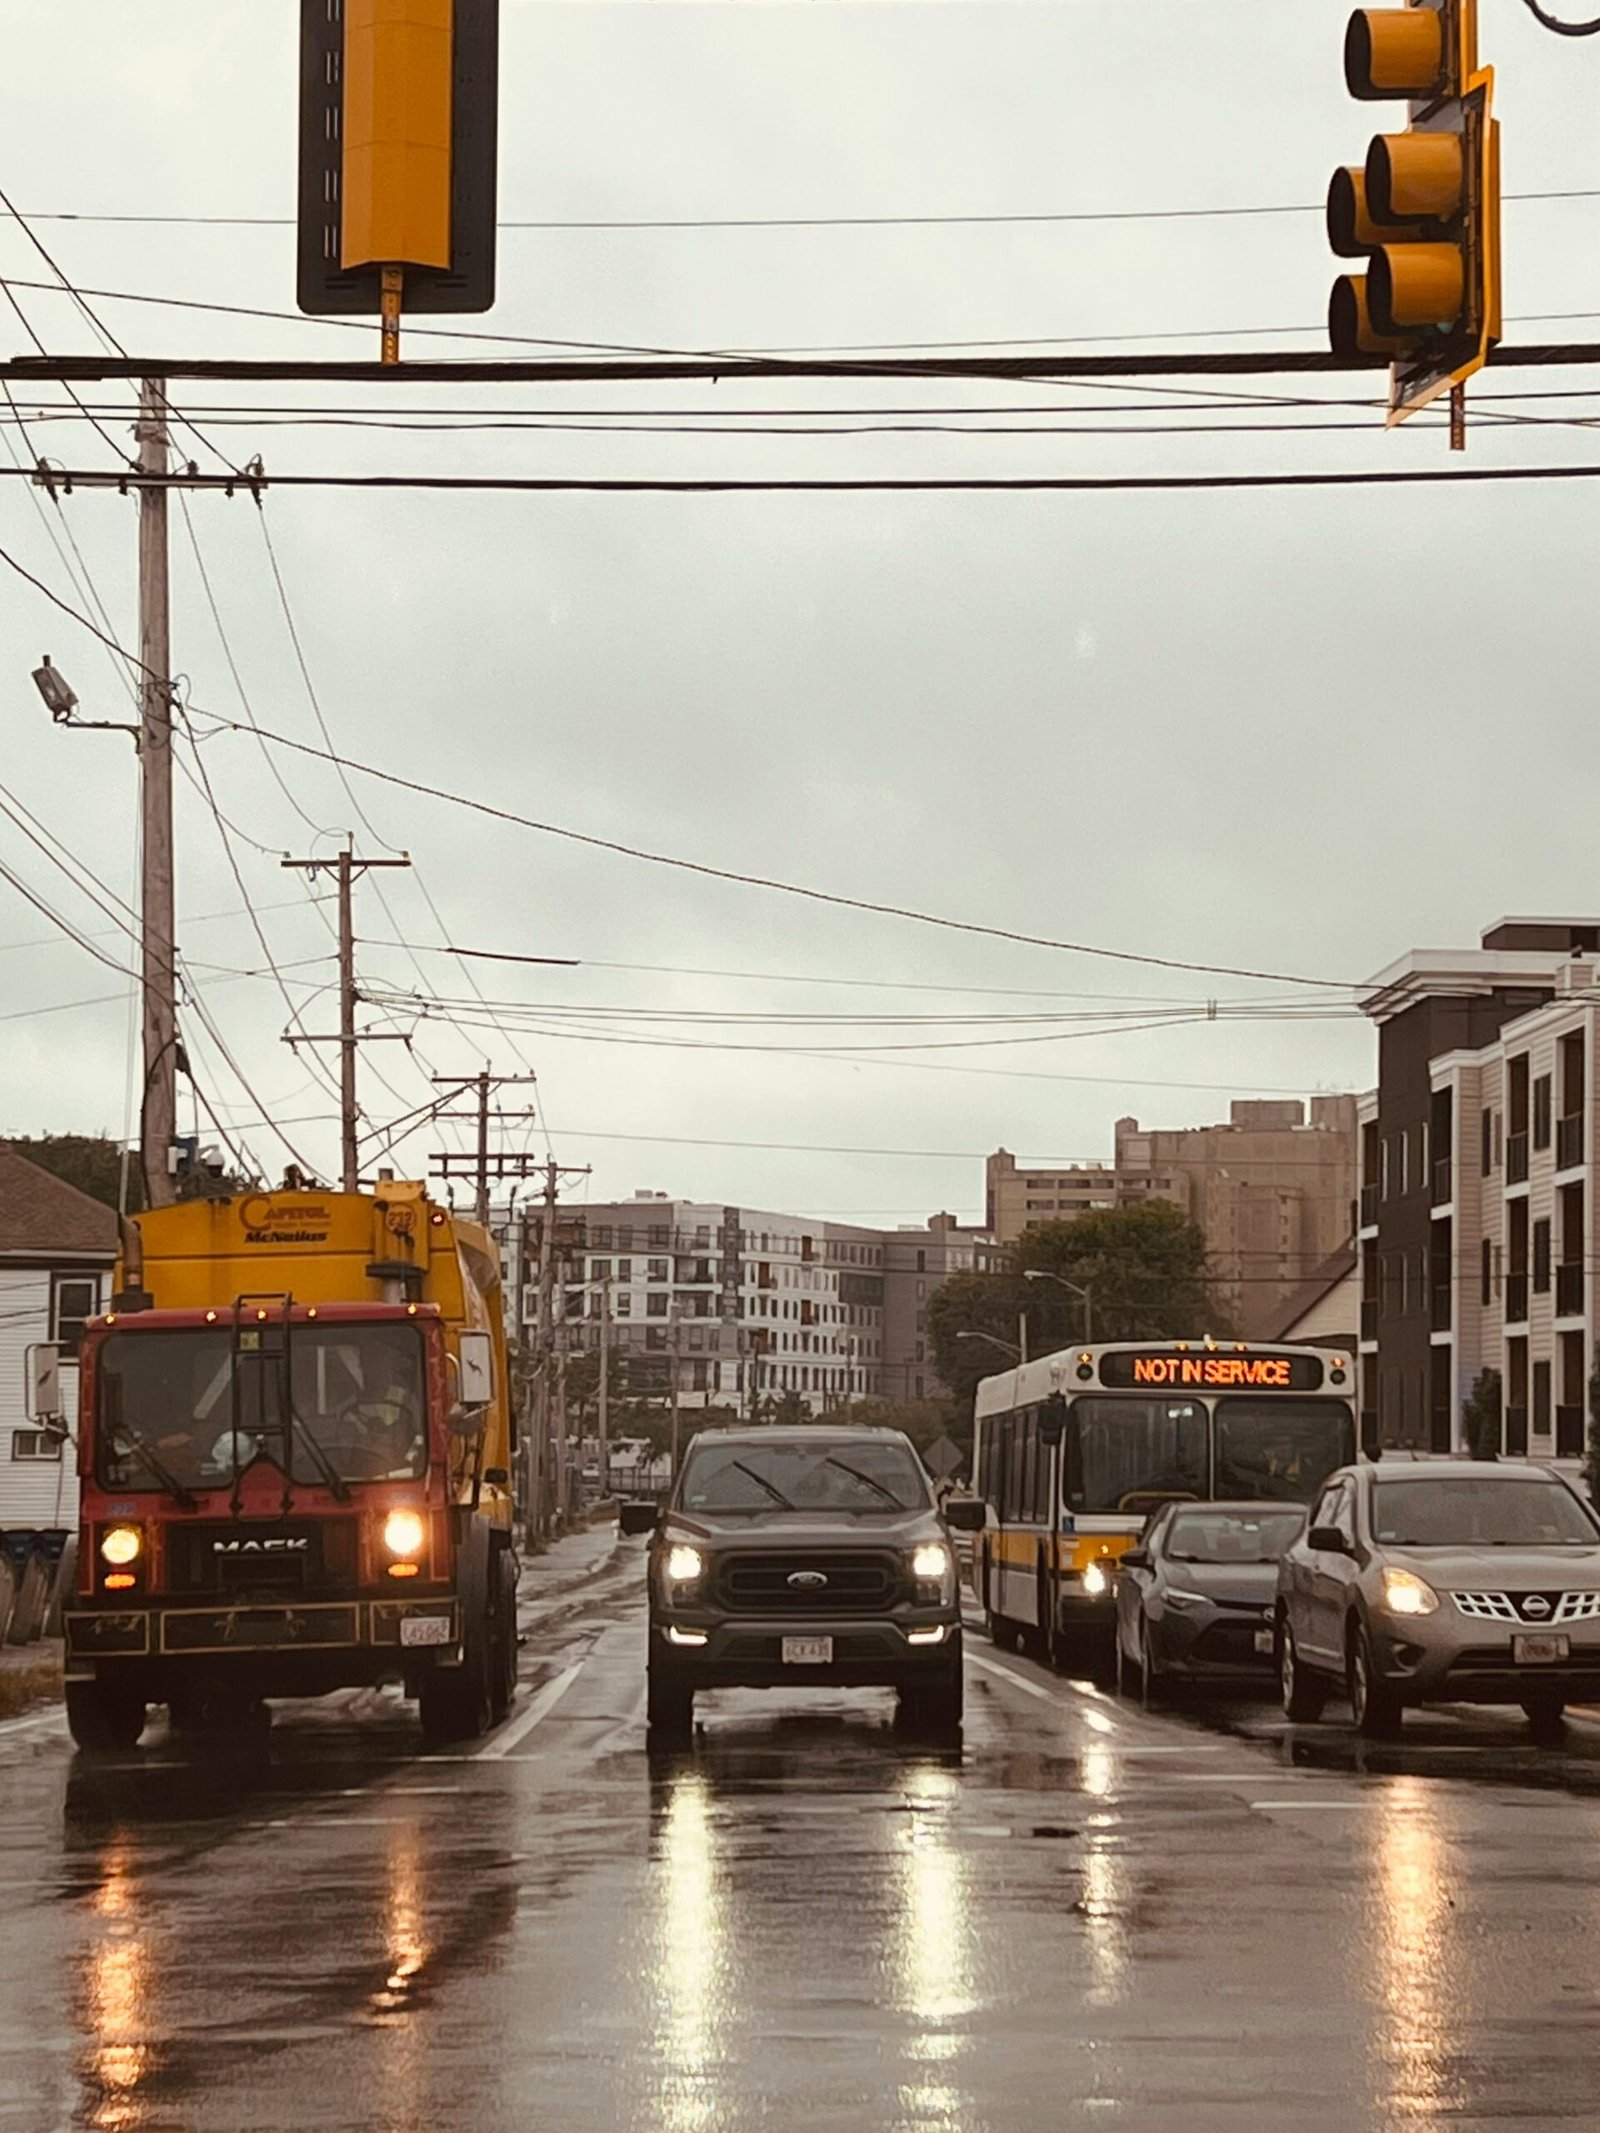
[1480, 1416]
[91, 1161]
[1145, 1269]
[923, 1421]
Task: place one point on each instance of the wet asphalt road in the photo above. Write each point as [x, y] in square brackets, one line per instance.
[1093, 1917]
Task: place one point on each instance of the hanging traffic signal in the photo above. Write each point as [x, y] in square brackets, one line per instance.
[1424, 209]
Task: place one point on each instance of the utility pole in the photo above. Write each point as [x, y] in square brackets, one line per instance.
[604, 1424]
[482, 1167]
[541, 1462]
[674, 1322]
[346, 867]
[158, 1109]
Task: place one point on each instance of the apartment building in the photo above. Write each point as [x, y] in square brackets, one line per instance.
[1477, 1216]
[734, 1306]
[1273, 1189]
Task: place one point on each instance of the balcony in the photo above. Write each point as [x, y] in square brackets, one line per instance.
[1443, 1181]
[1516, 1432]
[1517, 1299]
[1569, 1141]
[1569, 1291]
[1517, 1158]
[1369, 1206]
[1569, 1432]
[1439, 1306]
[1369, 1318]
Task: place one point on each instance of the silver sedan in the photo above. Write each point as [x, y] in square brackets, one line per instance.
[1453, 1580]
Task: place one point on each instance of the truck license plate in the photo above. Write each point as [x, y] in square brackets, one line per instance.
[1539, 1650]
[1263, 1640]
[808, 1651]
[425, 1629]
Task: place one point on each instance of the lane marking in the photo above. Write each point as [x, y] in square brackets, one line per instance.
[1313, 1806]
[1004, 1673]
[518, 1729]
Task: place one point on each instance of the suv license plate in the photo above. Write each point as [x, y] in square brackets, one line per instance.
[425, 1629]
[1263, 1640]
[1539, 1651]
[808, 1651]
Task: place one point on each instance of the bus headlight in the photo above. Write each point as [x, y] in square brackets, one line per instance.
[1096, 1580]
[121, 1544]
[402, 1533]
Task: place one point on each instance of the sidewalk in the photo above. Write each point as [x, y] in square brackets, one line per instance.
[29, 1674]
[567, 1566]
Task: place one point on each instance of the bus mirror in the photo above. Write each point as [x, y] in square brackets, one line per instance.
[1053, 1420]
[476, 1355]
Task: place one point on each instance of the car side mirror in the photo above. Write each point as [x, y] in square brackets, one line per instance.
[496, 1477]
[966, 1514]
[638, 1517]
[1134, 1559]
[1328, 1540]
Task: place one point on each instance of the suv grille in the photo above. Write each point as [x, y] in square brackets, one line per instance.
[857, 1582]
[1513, 1607]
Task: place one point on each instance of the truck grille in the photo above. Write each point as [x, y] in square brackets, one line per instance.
[246, 1558]
[809, 1582]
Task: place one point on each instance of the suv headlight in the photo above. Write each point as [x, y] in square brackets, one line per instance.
[934, 1569]
[1404, 1593]
[685, 1565]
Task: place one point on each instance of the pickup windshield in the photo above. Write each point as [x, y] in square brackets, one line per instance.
[789, 1476]
[357, 1391]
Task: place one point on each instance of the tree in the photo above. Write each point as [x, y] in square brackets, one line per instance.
[91, 1161]
[1480, 1416]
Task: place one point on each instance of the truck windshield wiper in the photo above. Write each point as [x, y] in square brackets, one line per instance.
[133, 1442]
[855, 1472]
[762, 1482]
[325, 1466]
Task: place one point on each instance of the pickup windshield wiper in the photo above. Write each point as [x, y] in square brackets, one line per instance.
[762, 1482]
[845, 1467]
[133, 1442]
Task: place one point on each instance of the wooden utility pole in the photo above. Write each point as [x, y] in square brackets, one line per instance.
[158, 1109]
[604, 1423]
[484, 1169]
[346, 866]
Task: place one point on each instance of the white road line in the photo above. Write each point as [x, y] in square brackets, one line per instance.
[1311, 1806]
[1004, 1673]
[542, 1705]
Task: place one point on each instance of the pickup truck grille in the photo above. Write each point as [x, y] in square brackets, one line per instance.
[810, 1582]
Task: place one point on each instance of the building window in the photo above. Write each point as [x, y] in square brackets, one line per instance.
[1487, 1255]
[1541, 1112]
[624, 1270]
[73, 1298]
[623, 1305]
[599, 1269]
[1541, 1258]
[1541, 1400]
[1486, 1149]
[655, 1305]
[656, 1270]
[35, 1444]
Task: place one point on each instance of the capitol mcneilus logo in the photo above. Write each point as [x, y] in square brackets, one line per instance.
[298, 1222]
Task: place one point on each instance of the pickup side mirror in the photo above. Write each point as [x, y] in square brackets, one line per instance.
[638, 1517]
[966, 1514]
[1134, 1559]
[1328, 1540]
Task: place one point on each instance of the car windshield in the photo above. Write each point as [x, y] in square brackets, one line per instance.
[1230, 1536]
[356, 1391]
[1281, 1450]
[793, 1475]
[1464, 1512]
[1122, 1454]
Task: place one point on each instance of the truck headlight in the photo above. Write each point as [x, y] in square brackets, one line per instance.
[1404, 1593]
[402, 1533]
[685, 1565]
[930, 1561]
[121, 1544]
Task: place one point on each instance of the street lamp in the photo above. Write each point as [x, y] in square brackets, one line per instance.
[1083, 1291]
[61, 701]
[1006, 1347]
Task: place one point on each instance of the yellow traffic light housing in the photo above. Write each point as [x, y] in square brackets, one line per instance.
[1424, 209]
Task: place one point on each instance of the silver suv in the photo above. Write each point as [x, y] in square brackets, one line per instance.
[1454, 1580]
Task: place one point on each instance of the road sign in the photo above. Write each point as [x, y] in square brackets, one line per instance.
[398, 154]
[944, 1458]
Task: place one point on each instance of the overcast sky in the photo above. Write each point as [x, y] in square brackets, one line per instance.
[1293, 731]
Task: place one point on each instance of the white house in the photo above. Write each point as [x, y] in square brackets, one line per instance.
[57, 1247]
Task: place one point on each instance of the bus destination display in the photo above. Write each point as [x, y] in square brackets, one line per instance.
[1205, 1370]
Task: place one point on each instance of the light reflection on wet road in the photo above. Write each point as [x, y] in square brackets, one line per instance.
[1092, 1917]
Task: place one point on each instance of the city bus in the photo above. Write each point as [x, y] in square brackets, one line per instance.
[1072, 1453]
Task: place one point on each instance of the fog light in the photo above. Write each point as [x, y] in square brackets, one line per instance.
[121, 1544]
[926, 1636]
[685, 1636]
[402, 1533]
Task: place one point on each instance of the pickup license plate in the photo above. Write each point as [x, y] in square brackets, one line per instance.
[424, 1629]
[1539, 1650]
[808, 1651]
[1263, 1640]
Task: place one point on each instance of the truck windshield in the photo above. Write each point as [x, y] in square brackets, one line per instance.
[787, 1475]
[1281, 1450]
[356, 1390]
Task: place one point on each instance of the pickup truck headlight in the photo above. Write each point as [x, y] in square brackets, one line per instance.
[685, 1565]
[934, 1569]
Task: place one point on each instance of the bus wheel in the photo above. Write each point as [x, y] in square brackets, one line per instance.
[104, 1715]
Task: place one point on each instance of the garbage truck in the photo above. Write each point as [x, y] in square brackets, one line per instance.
[295, 1449]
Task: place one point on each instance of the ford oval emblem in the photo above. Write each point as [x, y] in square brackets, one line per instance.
[808, 1580]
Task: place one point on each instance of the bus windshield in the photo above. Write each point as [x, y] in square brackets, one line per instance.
[357, 1391]
[1126, 1455]
[1278, 1450]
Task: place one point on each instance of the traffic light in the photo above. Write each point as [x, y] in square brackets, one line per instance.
[397, 154]
[1424, 209]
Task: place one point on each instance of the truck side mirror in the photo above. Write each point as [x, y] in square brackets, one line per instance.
[475, 1356]
[42, 1382]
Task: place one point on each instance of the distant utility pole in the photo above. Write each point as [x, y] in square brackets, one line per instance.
[158, 1109]
[604, 1425]
[346, 866]
[485, 1169]
[541, 1465]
